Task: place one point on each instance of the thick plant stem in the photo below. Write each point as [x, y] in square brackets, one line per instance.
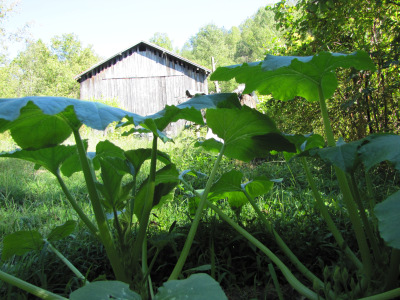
[30, 288]
[393, 294]
[393, 274]
[144, 218]
[282, 245]
[327, 217]
[93, 229]
[347, 196]
[192, 232]
[104, 231]
[293, 281]
[68, 263]
[367, 226]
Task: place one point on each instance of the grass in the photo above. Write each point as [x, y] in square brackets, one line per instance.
[32, 199]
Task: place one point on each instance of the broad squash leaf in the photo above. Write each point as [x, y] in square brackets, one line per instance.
[21, 242]
[246, 133]
[62, 231]
[37, 122]
[197, 287]
[51, 158]
[388, 214]
[379, 148]
[286, 77]
[105, 290]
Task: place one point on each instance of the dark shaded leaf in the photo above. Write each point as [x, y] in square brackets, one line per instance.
[388, 214]
[105, 290]
[381, 147]
[62, 231]
[197, 287]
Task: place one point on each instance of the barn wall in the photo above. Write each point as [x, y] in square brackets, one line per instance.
[144, 81]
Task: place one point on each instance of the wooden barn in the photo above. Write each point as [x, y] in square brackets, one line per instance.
[143, 79]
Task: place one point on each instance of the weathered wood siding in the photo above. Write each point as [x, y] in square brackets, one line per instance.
[143, 80]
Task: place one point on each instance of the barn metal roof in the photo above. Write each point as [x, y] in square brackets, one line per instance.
[163, 50]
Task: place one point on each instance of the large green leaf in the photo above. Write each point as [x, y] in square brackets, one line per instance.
[388, 214]
[246, 133]
[20, 242]
[230, 186]
[37, 122]
[62, 231]
[167, 179]
[138, 156]
[258, 186]
[105, 290]
[196, 287]
[286, 77]
[303, 143]
[113, 170]
[343, 155]
[189, 110]
[381, 147]
[50, 158]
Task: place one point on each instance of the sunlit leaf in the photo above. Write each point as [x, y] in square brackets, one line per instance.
[246, 133]
[53, 118]
[286, 77]
[258, 186]
[50, 158]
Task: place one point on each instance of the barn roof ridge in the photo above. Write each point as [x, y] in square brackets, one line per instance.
[77, 77]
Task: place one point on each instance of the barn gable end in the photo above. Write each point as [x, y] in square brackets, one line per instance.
[143, 79]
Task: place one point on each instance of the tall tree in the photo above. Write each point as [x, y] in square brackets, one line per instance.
[50, 71]
[366, 102]
[162, 40]
[259, 36]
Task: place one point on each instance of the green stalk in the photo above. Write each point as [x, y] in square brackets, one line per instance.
[347, 196]
[30, 288]
[100, 216]
[148, 205]
[282, 245]
[275, 280]
[327, 217]
[367, 226]
[293, 281]
[192, 232]
[370, 192]
[67, 263]
[393, 294]
[76, 206]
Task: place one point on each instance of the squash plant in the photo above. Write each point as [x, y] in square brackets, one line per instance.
[314, 78]
[55, 119]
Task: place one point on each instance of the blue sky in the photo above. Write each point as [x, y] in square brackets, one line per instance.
[113, 25]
